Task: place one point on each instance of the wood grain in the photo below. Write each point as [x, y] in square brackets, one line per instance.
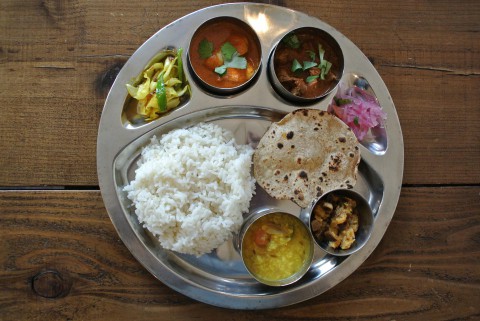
[61, 258]
[426, 266]
[58, 60]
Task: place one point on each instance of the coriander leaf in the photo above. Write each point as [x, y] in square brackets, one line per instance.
[327, 68]
[291, 40]
[221, 70]
[355, 121]
[205, 49]
[342, 101]
[236, 62]
[311, 54]
[309, 64]
[321, 52]
[311, 78]
[296, 65]
[228, 50]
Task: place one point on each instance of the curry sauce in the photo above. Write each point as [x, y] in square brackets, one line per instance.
[276, 247]
[217, 39]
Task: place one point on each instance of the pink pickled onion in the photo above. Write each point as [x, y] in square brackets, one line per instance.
[359, 110]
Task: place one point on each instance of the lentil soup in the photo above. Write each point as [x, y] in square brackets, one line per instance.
[276, 247]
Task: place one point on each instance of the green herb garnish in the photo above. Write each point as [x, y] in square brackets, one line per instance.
[236, 62]
[230, 55]
[291, 40]
[228, 50]
[324, 65]
[205, 49]
[321, 52]
[325, 68]
[309, 64]
[296, 66]
[311, 78]
[355, 121]
[341, 101]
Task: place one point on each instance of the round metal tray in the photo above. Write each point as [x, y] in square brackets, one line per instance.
[219, 278]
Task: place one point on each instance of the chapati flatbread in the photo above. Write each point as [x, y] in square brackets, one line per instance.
[306, 154]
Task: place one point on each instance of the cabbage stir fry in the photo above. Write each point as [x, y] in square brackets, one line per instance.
[161, 86]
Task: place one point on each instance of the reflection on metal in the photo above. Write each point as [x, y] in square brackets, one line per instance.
[261, 18]
[259, 22]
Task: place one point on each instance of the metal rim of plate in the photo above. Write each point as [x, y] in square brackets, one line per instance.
[220, 278]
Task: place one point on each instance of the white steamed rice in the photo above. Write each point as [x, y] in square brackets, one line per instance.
[191, 188]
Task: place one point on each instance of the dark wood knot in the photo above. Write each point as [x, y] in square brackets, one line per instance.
[50, 284]
[106, 78]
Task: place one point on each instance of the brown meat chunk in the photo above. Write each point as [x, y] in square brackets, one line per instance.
[336, 220]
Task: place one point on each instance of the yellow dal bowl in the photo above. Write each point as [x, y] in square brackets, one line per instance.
[277, 248]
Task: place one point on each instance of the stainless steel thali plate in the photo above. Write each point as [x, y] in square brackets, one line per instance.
[219, 278]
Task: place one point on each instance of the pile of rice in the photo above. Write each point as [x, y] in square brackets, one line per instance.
[191, 188]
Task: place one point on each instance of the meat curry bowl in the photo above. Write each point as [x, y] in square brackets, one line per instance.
[224, 55]
[306, 65]
[341, 222]
[277, 248]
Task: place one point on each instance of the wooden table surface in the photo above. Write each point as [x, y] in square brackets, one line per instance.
[60, 256]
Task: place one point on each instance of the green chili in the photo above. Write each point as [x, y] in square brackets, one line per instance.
[161, 93]
[180, 65]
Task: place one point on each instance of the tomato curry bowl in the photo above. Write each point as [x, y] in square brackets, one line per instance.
[224, 55]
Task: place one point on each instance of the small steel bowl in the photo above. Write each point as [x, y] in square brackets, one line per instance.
[249, 223]
[365, 222]
[214, 25]
[332, 50]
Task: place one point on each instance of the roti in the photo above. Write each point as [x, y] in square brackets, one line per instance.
[306, 154]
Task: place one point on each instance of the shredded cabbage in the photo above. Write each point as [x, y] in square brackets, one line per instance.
[359, 110]
[144, 87]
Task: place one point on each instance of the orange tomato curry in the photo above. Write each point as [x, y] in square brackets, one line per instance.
[217, 34]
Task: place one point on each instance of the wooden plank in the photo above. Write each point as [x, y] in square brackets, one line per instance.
[58, 60]
[63, 246]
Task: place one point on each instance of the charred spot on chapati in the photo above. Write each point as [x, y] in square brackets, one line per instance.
[319, 191]
[303, 175]
[334, 164]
